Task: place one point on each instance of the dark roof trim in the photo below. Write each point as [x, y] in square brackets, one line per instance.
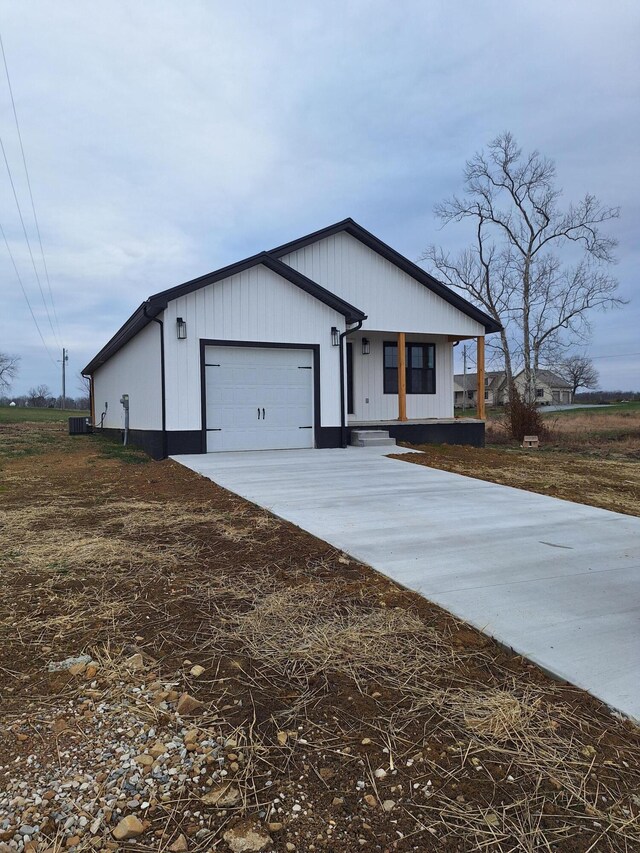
[144, 314]
[351, 227]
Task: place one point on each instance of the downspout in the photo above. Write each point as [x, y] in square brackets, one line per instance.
[343, 416]
[162, 382]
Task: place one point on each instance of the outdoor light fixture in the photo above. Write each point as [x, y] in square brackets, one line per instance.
[366, 346]
[335, 336]
[181, 328]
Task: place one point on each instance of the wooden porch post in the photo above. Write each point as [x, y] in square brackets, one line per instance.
[480, 359]
[402, 378]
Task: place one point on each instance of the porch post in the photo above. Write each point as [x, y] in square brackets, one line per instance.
[402, 378]
[480, 358]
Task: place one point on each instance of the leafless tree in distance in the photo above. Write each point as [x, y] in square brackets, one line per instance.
[534, 267]
[84, 384]
[39, 396]
[580, 372]
[8, 369]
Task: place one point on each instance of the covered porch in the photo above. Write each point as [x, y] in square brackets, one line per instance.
[405, 378]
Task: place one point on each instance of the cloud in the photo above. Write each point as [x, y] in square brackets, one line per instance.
[165, 140]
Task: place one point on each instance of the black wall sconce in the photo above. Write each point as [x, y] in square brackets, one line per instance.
[181, 328]
[366, 346]
[335, 336]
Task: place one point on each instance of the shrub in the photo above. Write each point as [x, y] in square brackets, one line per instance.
[522, 417]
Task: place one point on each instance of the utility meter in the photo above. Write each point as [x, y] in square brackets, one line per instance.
[125, 400]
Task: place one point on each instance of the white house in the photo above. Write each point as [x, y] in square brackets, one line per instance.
[290, 348]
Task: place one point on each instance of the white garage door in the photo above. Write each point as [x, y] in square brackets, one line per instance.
[258, 398]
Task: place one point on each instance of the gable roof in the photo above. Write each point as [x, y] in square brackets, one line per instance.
[349, 226]
[144, 313]
[548, 377]
[472, 379]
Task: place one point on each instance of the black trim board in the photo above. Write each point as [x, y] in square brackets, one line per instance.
[190, 441]
[157, 303]
[157, 444]
[315, 348]
[351, 227]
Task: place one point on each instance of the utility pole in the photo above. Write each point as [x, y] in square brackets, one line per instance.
[65, 359]
[464, 378]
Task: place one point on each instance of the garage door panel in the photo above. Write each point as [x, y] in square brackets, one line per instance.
[258, 398]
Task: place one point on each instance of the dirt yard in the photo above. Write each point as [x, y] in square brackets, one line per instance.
[590, 456]
[184, 672]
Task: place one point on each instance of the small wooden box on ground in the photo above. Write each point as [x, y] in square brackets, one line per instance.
[531, 442]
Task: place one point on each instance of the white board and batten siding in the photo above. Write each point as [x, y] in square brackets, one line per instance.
[391, 298]
[371, 404]
[134, 370]
[255, 305]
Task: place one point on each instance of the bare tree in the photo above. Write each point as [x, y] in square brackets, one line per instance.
[84, 384]
[39, 396]
[8, 369]
[580, 372]
[536, 269]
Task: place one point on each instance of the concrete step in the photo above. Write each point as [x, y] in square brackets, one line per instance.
[371, 438]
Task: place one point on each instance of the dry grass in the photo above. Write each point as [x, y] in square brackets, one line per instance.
[295, 636]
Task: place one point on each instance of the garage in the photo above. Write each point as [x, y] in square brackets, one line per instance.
[258, 398]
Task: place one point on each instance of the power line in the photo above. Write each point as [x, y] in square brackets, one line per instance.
[26, 237]
[33, 316]
[26, 171]
[616, 355]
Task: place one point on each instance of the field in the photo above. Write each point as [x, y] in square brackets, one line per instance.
[247, 687]
[590, 456]
[17, 414]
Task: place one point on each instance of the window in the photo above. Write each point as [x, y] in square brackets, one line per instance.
[470, 394]
[539, 392]
[420, 368]
[486, 395]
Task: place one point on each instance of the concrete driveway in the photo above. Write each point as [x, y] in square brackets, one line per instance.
[557, 581]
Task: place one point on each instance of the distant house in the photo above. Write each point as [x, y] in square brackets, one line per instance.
[466, 388]
[551, 389]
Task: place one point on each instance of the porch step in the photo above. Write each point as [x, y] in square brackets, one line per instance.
[371, 438]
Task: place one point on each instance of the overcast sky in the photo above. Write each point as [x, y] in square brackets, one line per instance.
[167, 139]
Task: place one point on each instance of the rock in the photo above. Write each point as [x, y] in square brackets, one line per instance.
[388, 805]
[326, 773]
[283, 737]
[91, 671]
[72, 841]
[157, 749]
[365, 741]
[337, 801]
[188, 705]
[129, 827]
[144, 760]
[274, 827]
[180, 845]
[290, 847]
[135, 662]
[380, 773]
[370, 800]
[221, 796]
[67, 663]
[197, 670]
[77, 668]
[247, 837]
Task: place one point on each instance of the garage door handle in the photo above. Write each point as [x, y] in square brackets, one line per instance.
[258, 413]
[263, 414]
